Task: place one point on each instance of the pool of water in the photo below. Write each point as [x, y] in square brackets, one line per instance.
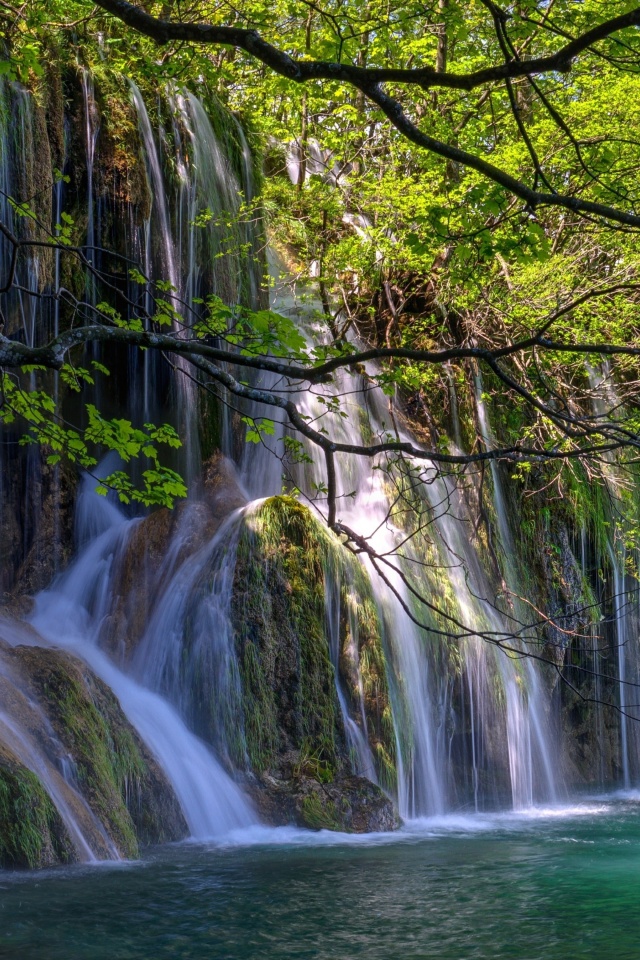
[557, 884]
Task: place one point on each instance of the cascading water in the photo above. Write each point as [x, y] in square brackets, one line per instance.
[212, 804]
[422, 786]
[25, 729]
[197, 227]
[625, 603]
[193, 617]
[527, 727]
[470, 723]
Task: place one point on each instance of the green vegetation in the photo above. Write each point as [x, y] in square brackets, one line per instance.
[280, 612]
[318, 815]
[286, 562]
[31, 831]
[420, 243]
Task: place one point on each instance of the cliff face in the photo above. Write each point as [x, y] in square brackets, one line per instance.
[272, 644]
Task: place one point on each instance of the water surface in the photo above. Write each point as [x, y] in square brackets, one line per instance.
[557, 884]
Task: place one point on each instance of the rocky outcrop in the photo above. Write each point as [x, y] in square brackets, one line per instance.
[348, 804]
[32, 833]
[294, 732]
[64, 726]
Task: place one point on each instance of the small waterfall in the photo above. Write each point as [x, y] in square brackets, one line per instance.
[626, 604]
[29, 755]
[422, 697]
[91, 131]
[620, 614]
[194, 231]
[25, 729]
[187, 651]
[70, 615]
[527, 726]
[420, 773]
[170, 268]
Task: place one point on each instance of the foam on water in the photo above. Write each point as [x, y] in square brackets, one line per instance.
[423, 828]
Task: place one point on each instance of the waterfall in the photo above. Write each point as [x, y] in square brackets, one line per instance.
[195, 231]
[171, 269]
[70, 615]
[471, 723]
[619, 604]
[91, 131]
[421, 697]
[527, 726]
[604, 398]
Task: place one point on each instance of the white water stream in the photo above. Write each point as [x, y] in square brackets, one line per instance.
[502, 729]
[70, 615]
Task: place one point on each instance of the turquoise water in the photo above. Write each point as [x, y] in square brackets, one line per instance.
[549, 885]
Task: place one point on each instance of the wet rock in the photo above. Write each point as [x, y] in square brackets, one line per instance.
[32, 833]
[61, 712]
[222, 490]
[349, 804]
[36, 518]
[119, 778]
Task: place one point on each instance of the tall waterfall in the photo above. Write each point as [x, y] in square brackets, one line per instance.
[473, 723]
[421, 695]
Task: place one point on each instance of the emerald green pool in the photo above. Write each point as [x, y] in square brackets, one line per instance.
[553, 885]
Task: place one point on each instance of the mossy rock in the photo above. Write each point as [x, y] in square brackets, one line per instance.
[347, 805]
[279, 613]
[32, 833]
[119, 779]
[286, 561]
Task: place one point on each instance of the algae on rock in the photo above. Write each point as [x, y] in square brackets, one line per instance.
[115, 773]
[285, 560]
[32, 833]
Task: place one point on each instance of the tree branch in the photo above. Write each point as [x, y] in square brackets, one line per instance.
[164, 31]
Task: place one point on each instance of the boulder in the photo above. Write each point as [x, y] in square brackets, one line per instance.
[348, 804]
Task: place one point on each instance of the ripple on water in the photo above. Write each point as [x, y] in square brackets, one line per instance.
[553, 883]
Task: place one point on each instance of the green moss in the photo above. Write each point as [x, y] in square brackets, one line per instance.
[318, 815]
[286, 562]
[88, 720]
[287, 675]
[31, 831]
